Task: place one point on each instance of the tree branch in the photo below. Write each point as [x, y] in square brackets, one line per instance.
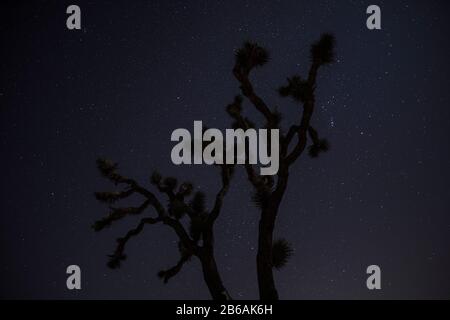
[169, 273]
[109, 170]
[248, 91]
[226, 172]
[119, 213]
[308, 108]
[118, 254]
[234, 110]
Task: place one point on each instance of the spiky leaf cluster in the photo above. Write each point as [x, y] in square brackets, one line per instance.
[198, 202]
[261, 197]
[156, 178]
[109, 170]
[185, 189]
[251, 55]
[297, 88]
[106, 166]
[322, 51]
[321, 145]
[281, 252]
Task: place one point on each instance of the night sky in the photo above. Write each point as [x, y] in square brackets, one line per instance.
[140, 69]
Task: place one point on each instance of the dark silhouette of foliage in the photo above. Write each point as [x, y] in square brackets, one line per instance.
[322, 51]
[297, 88]
[251, 55]
[281, 252]
[268, 192]
[198, 242]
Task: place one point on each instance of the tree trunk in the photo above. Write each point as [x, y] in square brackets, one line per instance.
[266, 283]
[209, 266]
[212, 277]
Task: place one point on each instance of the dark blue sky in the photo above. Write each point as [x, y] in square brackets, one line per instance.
[138, 70]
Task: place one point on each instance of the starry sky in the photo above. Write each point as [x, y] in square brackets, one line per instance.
[137, 70]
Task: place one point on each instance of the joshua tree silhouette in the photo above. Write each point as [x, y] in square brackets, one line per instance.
[198, 241]
[268, 192]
